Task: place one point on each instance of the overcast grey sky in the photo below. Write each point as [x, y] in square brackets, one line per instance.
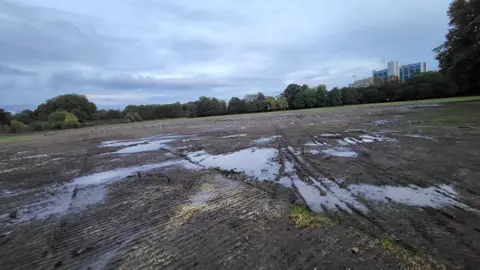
[121, 52]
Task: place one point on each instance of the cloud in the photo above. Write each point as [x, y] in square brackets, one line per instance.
[145, 51]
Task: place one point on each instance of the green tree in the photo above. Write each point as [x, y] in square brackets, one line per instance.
[129, 118]
[5, 117]
[17, 126]
[290, 92]
[66, 103]
[25, 116]
[350, 96]
[70, 121]
[58, 116]
[459, 55]
[334, 97]
[137, 117]
[321, 95]
[236, 105]
[271, 104]
[282, 103]
[304, 99]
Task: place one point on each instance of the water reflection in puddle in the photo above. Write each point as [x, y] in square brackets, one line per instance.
[267, 139]
[336, 152]
[88, 190]
[233, 136]
[254, 162]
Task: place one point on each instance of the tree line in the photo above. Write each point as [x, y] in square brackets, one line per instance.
[458, 56]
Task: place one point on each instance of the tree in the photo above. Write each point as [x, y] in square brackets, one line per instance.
[113, 114]
[350, 96]
[81, 115]
[305, 99]
[459, 55]
[70, 121]
[58, 116]
[282, 103]
[271, 104]
[321, 95]
[137, 117]
[236, 105]
[334, 97]
[68, 103]
[25, 116]
[290, 92]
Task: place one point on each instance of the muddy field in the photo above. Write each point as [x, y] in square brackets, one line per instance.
[345, 188]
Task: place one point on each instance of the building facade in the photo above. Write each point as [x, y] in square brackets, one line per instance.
[403, 72]
[393, 70]
[407, 71]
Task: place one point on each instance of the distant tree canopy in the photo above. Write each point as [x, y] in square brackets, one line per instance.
[459, 55]
[5, 117]
[78, 105]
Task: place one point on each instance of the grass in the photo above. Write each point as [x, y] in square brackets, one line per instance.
[304, 218]
[414, 258]
[13, 138]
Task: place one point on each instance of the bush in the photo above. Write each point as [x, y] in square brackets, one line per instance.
[37, 126]
[137, 117]
[58, 116]
[81, 115]
[129, 118]
[17, 126]
[70, 121]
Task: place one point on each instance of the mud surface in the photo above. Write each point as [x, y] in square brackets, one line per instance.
[388, 187]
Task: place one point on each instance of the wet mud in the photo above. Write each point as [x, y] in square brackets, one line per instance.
[390, 187]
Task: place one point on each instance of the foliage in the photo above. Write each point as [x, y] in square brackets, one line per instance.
[57, 118]
[459, 55]
[137, 117]
[25, 116]
[304, 218]
[129, 118]
[5, 117]
[17, 126]
[38, 126]
[334, 97]
[235, 106]
[290, 92]
[282, 103]
[70, 121]
[72, 103]
[81, 115]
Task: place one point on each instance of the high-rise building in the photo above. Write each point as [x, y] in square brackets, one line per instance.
[403, 72]
[407, 71]
[393, 70]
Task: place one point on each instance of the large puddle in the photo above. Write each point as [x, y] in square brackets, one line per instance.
[141, 145]
[255, 162]
[88, 190]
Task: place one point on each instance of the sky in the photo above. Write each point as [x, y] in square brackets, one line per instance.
[120, 52]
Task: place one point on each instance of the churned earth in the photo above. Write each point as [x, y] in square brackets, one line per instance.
[391, 187]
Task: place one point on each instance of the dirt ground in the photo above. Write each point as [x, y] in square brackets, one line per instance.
[344, 188]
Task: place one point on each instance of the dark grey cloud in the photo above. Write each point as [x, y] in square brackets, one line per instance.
[123, 51]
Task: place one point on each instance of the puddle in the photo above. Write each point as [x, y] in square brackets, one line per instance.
[121, 143]
[234, 136]
[330, 135]
[254, 162]
[381, 122]
[336, 151]
[267, 139]
[411, 195]
[418, 136]
[85, 191]
[149, 146]
[326, 194]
